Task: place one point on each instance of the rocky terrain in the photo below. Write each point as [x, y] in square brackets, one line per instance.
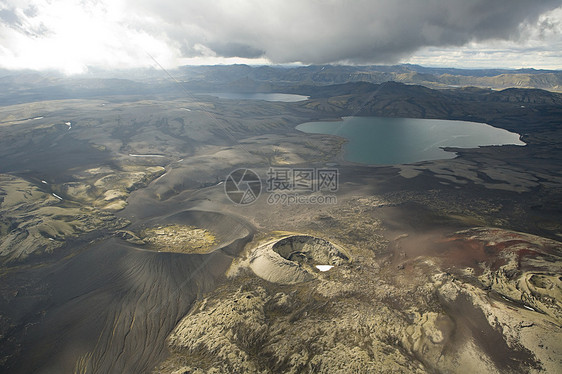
[34, 221]
[423, 313]
[179, 239]
[120, 248]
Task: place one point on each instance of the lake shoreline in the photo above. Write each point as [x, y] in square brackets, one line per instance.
[393, 141]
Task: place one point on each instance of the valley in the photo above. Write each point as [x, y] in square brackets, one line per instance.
[121, 251]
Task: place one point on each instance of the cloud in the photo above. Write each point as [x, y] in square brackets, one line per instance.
[69, 36]
[72, 35]
[538, 45]
[230, 49]
[331, 31]
[9, 17]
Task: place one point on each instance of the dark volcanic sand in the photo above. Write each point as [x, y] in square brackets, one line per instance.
[113, 304]
[53, 154]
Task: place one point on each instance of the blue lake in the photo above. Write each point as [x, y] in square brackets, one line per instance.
[389, 141]
[259, 96]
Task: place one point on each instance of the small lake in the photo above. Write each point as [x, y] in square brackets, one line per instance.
[288, 98]
[389, 141]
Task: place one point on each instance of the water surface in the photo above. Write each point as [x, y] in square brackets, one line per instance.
[378, 140]
[288, 98]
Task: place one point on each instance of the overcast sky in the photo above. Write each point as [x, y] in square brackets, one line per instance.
[71, 36]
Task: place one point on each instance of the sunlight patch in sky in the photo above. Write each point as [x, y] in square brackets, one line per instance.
[71, 36]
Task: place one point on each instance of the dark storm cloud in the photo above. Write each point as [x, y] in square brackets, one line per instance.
[236, 50]
[330, 31]
[71, 35]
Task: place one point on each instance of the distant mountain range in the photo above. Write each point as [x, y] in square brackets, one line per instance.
[532, 108]
[20, 87]
[410, 74]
